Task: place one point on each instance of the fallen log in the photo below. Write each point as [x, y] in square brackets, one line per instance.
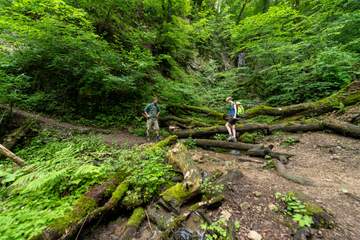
[342, 128]
[182, 122]
[176, 195]
[211, 131]
[254, 150]
[347, 96]
[336, 126]
[133, 224]
[7, 153]
[176, 108]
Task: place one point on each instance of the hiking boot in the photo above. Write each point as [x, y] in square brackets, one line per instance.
[234, 139]
[229, 139]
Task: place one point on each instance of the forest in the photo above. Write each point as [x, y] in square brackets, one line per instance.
[117, 119]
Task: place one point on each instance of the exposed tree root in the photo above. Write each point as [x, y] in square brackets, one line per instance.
[281, 170]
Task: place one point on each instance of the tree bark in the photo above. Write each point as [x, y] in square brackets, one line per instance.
[176, 195]
[7, 153]
[254, 150]
[342, 128]
[338, 127]
[348, 96]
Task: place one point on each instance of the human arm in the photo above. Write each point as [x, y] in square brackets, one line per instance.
[146, 110]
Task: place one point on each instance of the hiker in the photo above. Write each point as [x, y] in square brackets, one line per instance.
[233, 115]
[152, 112]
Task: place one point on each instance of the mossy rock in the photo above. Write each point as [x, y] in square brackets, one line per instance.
[176, 195]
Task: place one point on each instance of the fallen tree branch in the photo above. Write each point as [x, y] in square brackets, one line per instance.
[342, 128]
[7, 153]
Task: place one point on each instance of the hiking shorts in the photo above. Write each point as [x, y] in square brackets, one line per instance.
[152, 124]
[232, 121]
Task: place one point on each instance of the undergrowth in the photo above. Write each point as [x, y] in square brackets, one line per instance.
[59, 170]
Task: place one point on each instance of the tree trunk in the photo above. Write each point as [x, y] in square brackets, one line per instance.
[241, 12]
[253, 150]
[211, 131]
[348, 96]
[176, 195]
[338, 127]
[7, 153]
[342, 128]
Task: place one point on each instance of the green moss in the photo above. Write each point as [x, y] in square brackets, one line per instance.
[312, 208]
[176, 194]
[263, 119]
[137, 217]
[251, 137]
[119, 192]
[82, 207]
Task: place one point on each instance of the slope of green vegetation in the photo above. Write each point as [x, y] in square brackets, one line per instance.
[60, 170]
[101, 60]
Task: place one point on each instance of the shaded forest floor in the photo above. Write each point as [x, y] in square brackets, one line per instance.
[331, 161]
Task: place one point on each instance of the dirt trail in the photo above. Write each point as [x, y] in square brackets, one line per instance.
[110, 136]
[331, 161]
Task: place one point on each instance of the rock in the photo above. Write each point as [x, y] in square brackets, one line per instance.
[244, 205]
[197, 157]
[257, 194]
[273, 207]
[226, 215]
[253, 235]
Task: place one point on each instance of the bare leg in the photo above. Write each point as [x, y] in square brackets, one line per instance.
[234, 132]
[227, 125]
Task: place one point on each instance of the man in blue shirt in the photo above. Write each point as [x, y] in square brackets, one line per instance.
[152, 112]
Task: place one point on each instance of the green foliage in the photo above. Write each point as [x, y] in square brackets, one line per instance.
[215, 230]
[209, 188]
[289, 141]
[190, 143]
[253, 137]
[60, 170]
[220, 137]
[295, 208]
[296, 56]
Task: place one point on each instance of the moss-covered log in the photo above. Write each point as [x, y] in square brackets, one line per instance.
[133, 224]
[182, 122]
[348, 96]
[176, 195]
[176, 109]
